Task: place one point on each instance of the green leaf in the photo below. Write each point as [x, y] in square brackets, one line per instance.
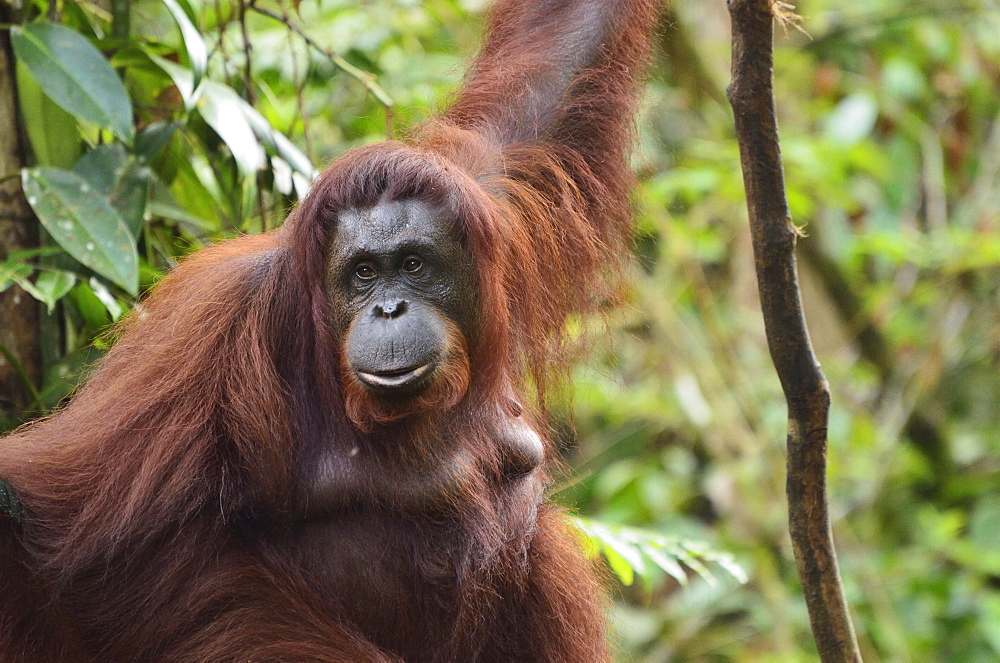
[153, 138]
[167, 210]
[276, 141]
[162, 203]
[132, 193]
[121, 179]
[83, 223]
[182, 77]
[669, 564]
[620, 566]
[52, 132]
[75, 75]
[101, 167]
[36, 252]
[193, 43]
[627, 550]
[223, 110]
[13, 272]
[110, 302]
[90, 308]
[50, 287]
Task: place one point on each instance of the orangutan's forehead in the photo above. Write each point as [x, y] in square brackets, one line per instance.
[391, 223]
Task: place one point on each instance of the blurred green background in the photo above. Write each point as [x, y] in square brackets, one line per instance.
[890, 123]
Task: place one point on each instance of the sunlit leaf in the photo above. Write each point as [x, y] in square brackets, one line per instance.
[620, 566]
[194, 45]
[110, 302]
[83, 223]
[52, 286]
[632, 547]
[223, 110]
[75, 75]
[852, 120]
[182, 77]
[667, 563]
[276, 141]
[90, 308]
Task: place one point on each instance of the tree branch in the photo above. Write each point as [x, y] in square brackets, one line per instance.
[20, 353]
[774, 236]
[366, 79]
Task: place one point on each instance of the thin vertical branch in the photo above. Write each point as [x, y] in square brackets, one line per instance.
[806, 391]
[300, 81]
[20, 351]
[251, 96]
[121, 19]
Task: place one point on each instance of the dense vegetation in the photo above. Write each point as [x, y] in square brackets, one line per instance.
[674, 425]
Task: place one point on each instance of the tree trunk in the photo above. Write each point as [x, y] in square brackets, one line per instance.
[19, 312]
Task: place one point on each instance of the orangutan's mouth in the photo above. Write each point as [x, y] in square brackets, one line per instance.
[403, 377]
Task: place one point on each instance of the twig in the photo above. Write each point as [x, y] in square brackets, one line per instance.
[251, 97]
[299, 82]
[363, 77]
[121, 19]
[806, 391]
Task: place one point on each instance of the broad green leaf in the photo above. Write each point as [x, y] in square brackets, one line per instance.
[75, 75]
[50, 287]
[193, 43]
[83, 223]
[620, 566]
[237, 123]
[194, 195]
[131, 194]
[29, 287]
[90, 308]
[163, 204]
[52, 132]
[223, 110]
[101, 167]
[123, 181]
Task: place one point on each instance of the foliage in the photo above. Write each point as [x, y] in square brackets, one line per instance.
[890, 127]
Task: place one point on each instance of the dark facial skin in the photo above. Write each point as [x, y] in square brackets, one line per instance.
[397, 273]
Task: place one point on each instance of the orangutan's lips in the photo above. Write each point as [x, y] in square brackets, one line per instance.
[394, 379]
